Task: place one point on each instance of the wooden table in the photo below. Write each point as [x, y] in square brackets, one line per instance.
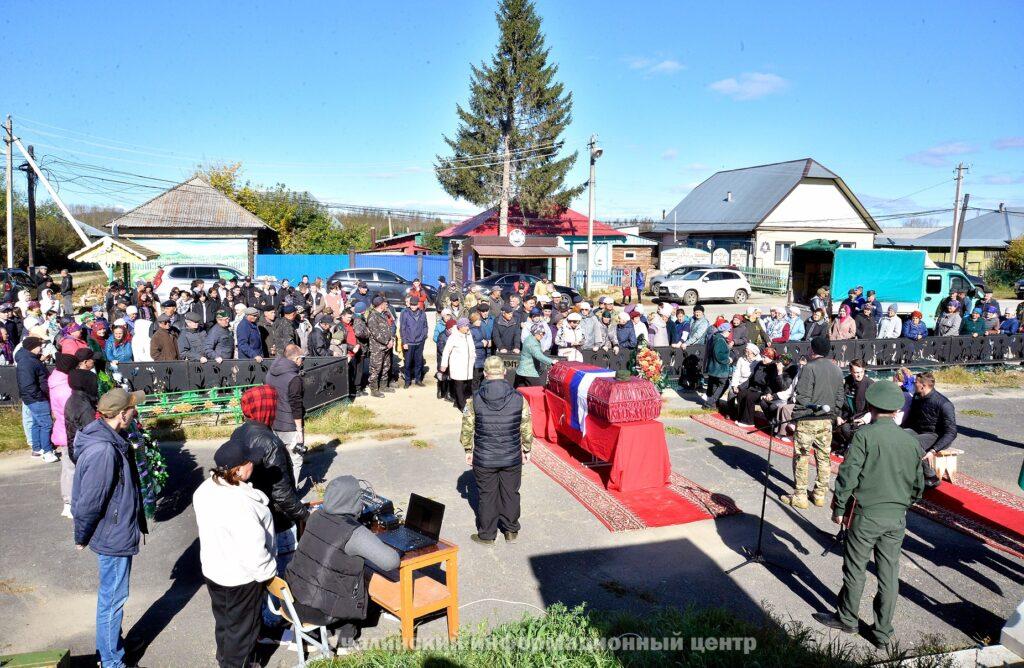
[416, 595]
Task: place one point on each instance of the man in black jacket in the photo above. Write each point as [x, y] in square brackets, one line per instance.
[283, 376]
[35, 395]
[855, 412]
[67, 291]
[320, 337]
[507, 334]
[932, 419]
[865, 322]
[497, 435]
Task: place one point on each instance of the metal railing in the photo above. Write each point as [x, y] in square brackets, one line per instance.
[764, 279]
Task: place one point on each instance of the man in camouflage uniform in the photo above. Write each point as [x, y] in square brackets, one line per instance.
[453, 291]
[381, 327]
[820, 384]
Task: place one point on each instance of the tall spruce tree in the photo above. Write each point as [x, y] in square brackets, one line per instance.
[516, 113]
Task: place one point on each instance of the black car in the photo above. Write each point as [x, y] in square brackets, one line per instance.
[506, 281]
[1019, 288]
[17, 279]
[394, 287]
[976, 281]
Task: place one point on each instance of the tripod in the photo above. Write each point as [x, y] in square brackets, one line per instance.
[757, 556]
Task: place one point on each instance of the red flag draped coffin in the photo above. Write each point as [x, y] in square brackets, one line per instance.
[560, 376]
[617, 401]
[611, 400]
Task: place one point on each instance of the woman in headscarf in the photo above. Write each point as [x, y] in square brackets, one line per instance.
[329, 574]
[6, 348]
[843, 327]
[236, 550]
[46, 300]
[749, 394]
[458, 360]
[532, 358]
[73, 341]
[98, 335]
[119, 346]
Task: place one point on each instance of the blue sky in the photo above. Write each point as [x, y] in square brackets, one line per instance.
[350, 100]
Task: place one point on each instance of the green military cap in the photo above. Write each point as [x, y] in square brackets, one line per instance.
[885, 395]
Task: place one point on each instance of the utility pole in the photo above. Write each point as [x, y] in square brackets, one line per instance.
[30, 177]
[955, 246]
[957, 221]
[9, 141]
[506, 177]
[595, 153]
[75, 225]
[391, 232]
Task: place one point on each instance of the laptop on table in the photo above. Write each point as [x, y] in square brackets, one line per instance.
[422, 526]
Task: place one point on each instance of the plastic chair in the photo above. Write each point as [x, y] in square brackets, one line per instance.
[279, 588]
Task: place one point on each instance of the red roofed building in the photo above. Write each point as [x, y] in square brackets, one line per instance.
[554, 246]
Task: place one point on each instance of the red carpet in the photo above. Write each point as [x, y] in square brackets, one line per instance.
[679, 502]
[991, 515]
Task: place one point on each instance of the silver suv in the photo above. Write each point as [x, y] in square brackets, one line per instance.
[180, 276]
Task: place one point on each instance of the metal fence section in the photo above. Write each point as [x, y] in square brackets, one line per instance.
[293, 267]
[611, 277]
[764, 279]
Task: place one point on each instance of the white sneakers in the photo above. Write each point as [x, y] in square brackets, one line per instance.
[67, 512]
[49, 457]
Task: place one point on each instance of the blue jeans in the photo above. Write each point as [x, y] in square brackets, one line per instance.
[26, 424]
[42, 425]
[286, 542]
[113, 593]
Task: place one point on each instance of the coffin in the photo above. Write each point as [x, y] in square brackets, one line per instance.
[617, 401]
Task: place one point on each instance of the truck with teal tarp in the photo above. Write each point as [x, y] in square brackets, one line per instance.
[906, 278]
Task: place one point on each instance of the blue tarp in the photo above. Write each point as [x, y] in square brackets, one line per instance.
[896, 276]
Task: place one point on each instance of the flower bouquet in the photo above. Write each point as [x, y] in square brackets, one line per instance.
[647, 364]
[152, 468]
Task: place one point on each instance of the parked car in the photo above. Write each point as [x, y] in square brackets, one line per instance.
[394, 287]
[1019, 288]
[180, 276]
[976, 281]
[506, 281]
[18, 279]
[706, 285]
[679, 272]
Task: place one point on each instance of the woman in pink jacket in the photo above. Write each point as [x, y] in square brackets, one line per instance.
[60, 392]
[74, 341]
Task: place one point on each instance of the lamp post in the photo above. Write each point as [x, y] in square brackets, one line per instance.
[595, 153]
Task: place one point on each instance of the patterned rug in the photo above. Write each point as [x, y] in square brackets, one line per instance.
[989, 514]
[679, 502]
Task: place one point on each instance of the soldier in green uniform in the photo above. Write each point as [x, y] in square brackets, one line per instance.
[381, 326]
[880, 477]
[820, 384]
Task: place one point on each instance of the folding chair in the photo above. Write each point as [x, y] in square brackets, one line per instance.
[279, 588]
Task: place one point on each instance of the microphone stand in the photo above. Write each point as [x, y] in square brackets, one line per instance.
[757, 556]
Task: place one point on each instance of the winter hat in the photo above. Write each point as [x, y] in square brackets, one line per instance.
[821, 346]
[66, 363]
[752, 348]
[885, 396]
[725, 327]
[623, 317]
[233, 453]
[462, 322]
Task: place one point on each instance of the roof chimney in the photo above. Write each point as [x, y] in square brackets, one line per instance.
[728, 196]
[1002, 207]
[663, 214]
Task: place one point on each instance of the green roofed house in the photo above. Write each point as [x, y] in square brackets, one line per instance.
[193, 222]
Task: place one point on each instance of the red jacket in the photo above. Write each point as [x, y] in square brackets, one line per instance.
[420, 294]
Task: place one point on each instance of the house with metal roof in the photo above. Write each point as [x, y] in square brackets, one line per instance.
[753, 216]
[554, 245]
[981, 239]
[193, 222]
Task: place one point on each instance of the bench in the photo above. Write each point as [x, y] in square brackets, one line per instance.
[945, 463]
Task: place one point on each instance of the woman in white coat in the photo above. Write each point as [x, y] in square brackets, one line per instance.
[570, 338]
[457, 361]
[236, 550]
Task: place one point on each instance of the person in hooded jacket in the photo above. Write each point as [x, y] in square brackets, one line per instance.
[497, 435]
[236, 550]
[284, 376]
[60, 392]
[329, 575]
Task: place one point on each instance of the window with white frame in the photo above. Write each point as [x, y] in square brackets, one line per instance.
[629, 255]
[783, 252]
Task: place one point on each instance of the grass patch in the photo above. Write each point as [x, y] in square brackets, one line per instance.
[342, 422]
[10, 587]
[571, 638]
[420, 443]
[675, 431]
[997, 377]
[12, 436]
[977, 412]
[681, 413]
